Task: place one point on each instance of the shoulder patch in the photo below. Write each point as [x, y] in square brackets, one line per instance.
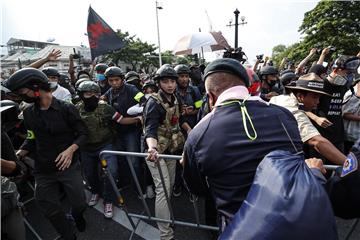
[350, 165]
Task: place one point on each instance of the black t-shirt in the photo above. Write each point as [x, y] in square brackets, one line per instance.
[52, 131]
[330, 107]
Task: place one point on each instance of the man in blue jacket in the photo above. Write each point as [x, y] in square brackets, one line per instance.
[223, 151]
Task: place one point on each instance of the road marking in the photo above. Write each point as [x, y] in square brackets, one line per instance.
[143, 229]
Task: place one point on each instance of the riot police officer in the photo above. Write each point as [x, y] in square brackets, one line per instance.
[55, 131]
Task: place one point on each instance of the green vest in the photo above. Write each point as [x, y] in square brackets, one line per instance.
[170, 137]
[99, 122]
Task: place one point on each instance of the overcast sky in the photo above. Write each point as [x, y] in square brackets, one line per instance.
[269, 22]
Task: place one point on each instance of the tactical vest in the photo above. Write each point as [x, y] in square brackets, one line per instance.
[169, 134]
[98, 123]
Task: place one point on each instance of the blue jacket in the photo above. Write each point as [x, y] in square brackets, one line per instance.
[219, 154]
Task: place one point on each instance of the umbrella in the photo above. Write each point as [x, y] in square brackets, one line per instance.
[200, 41]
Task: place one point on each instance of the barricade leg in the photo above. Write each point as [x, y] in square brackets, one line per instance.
[352, 228]
[119, 198]
[163, 174]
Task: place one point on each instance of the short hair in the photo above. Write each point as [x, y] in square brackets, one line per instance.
[220, 81]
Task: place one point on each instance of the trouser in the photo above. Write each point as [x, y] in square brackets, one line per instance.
[90, 164]
[161, 206]
[178, 175]
[48, 190]
[12, 225]
[130, 142]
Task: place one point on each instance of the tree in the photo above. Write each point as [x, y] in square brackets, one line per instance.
[330, 23]
[333, 23]
[134, 52]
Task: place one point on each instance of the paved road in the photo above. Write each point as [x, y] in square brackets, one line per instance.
[118, 228]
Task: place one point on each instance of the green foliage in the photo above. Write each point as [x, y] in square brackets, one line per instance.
[135, 52]
[330, 23]
[142, 55]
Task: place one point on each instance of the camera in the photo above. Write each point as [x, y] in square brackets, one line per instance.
[260, 58]
[332, 48]
[236, 54]
[76, 55]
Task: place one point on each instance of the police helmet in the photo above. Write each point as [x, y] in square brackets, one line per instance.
[64, 78]
[287, 78]
[78, 82]
[182, 69]
[150, 83]
[165, 71]
[114, 72]
[89, 86]
[132, 76]
[31, 78]
[101, 67]
[268, 70]
[50, 71]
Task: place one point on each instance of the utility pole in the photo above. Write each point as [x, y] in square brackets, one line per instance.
[158, 7]
[237, 12]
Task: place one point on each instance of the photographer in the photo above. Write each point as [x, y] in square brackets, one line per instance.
[259, 59]
[300, 68]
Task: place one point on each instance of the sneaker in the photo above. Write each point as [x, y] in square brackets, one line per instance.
[177, 190]
[93, 200]
[108, 210]
[150, 192]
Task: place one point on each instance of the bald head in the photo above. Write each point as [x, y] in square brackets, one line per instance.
[218, 82]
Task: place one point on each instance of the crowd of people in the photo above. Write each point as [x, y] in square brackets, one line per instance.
[223, 119]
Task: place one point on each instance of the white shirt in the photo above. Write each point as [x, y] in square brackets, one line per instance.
[306, 128]
[62, 93]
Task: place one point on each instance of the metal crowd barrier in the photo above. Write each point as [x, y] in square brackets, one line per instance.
[148, 216]
[146, 207]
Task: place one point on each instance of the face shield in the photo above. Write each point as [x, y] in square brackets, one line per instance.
[353, 65]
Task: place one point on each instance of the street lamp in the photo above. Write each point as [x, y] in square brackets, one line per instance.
[242, 18]
[158, 7]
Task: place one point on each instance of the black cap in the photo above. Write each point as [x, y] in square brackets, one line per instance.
[227, 65]
[318, 69]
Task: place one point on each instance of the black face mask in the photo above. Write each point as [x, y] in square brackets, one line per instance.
[28, 99]
[271, 83]
[91, 103]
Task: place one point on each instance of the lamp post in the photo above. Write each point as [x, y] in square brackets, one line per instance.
[242, 18]
[158, 7]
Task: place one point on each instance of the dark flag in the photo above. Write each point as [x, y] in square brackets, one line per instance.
[102, 39]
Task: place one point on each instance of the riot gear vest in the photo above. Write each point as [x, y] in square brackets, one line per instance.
[170, 138]
[98, 122]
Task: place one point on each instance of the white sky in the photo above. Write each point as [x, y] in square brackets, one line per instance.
[269, 22]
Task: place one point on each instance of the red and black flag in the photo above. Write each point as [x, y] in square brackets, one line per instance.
[102, 39]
